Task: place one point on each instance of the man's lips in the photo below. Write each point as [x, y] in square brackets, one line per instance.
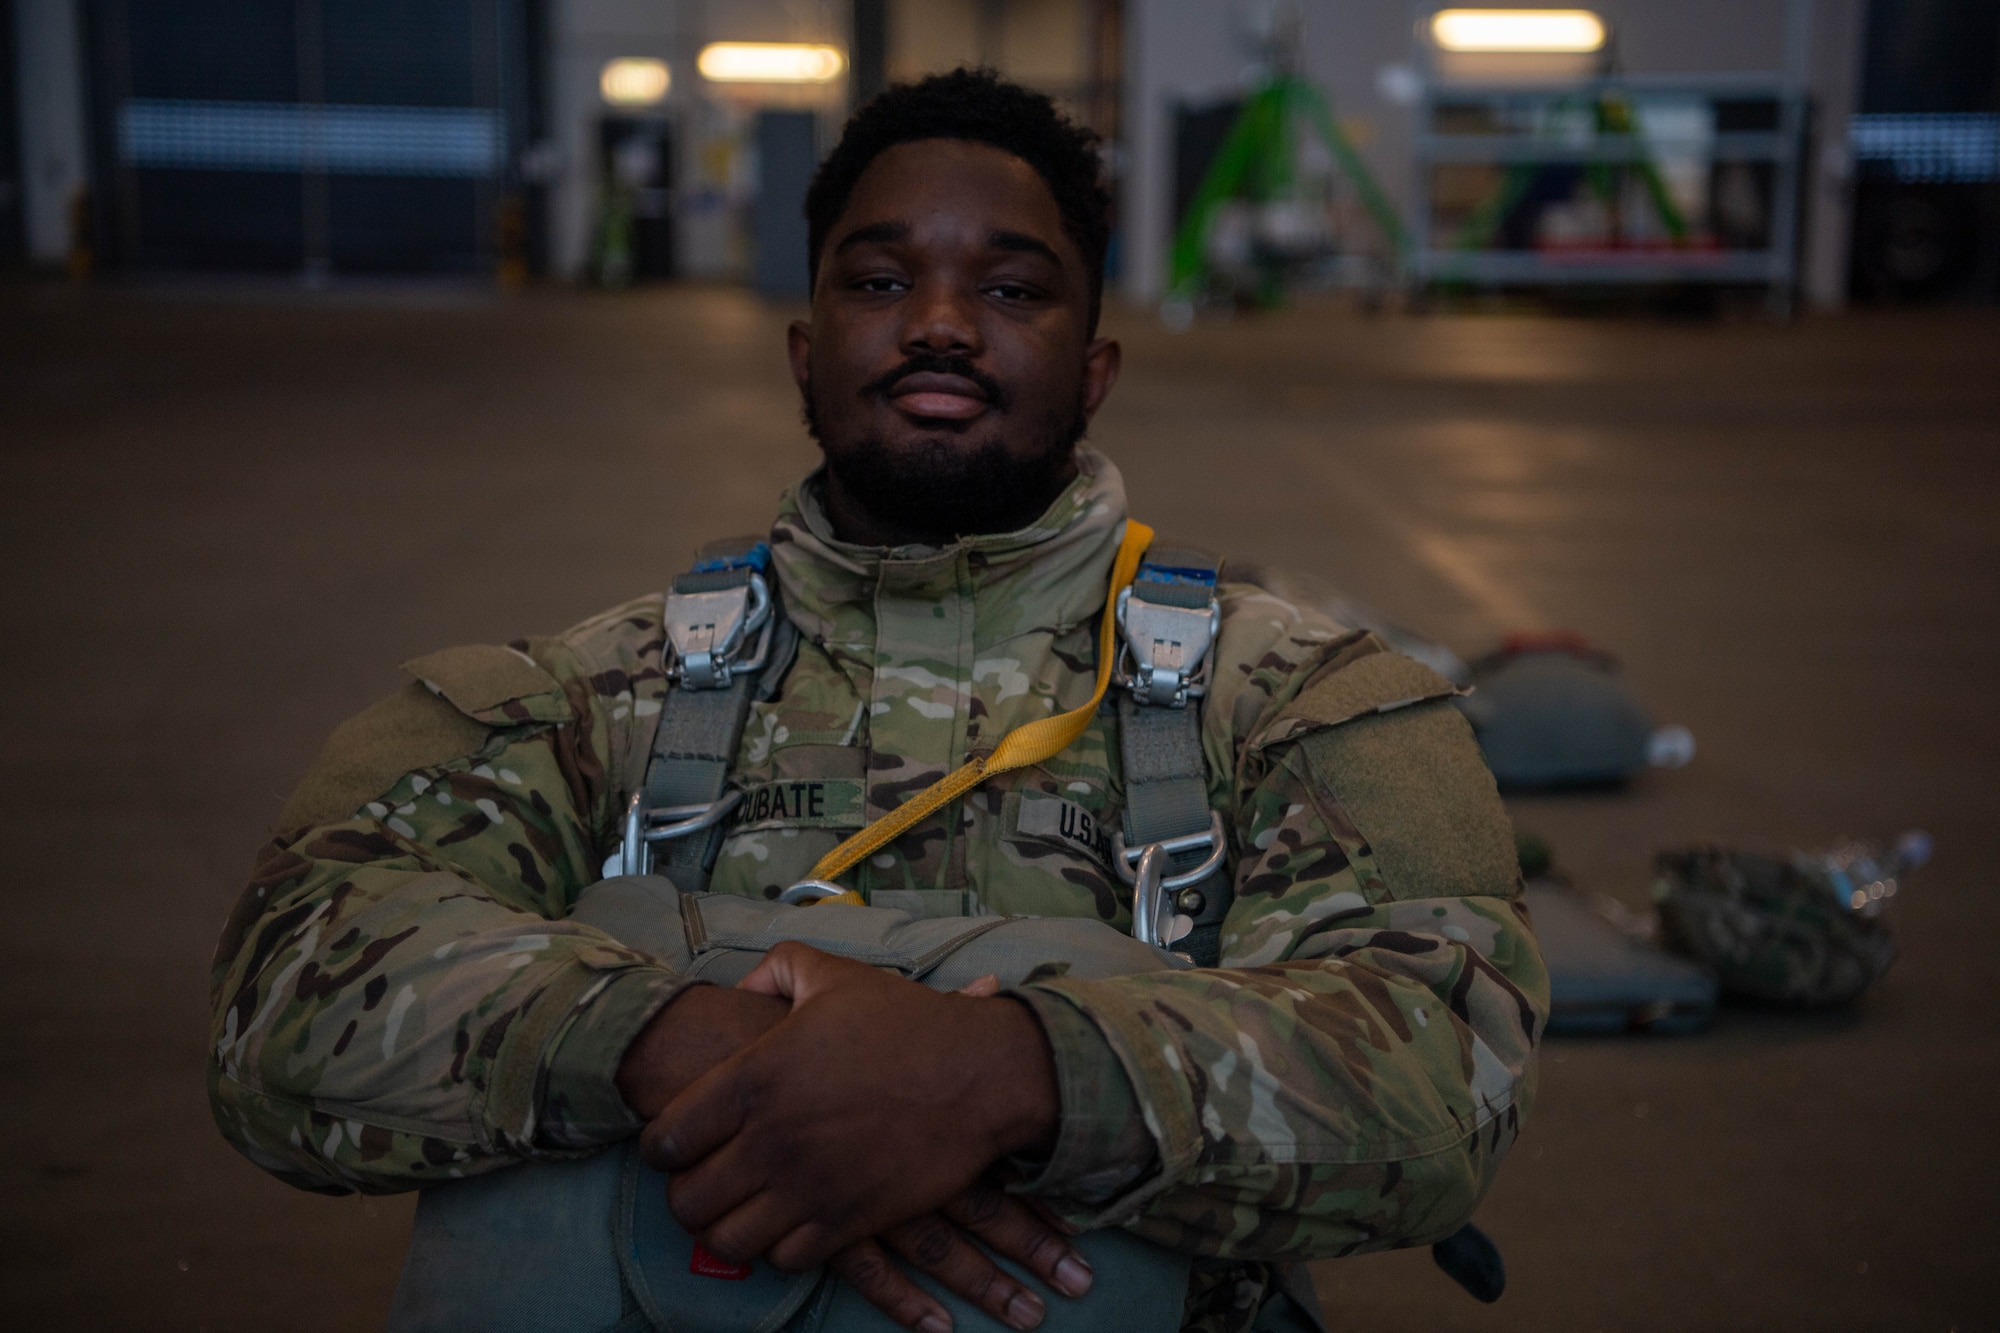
[934, 395]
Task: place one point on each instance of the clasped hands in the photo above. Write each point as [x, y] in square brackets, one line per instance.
[824, 1111]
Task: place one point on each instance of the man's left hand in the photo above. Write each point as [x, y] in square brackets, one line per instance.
[875, 1101]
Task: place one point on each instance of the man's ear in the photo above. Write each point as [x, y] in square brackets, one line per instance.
[798, 347]
[1101, 361]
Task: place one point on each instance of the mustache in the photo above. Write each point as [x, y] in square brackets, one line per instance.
[932, 363]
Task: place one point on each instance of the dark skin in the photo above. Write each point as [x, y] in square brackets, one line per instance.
[767, 1102]
[947, 248]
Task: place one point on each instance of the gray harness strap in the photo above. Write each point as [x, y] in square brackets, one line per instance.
[1168, 624]
[1166, 778]
[696, 742]
[728, 642]
[1172, 846]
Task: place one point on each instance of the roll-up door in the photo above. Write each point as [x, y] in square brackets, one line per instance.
[324, 136]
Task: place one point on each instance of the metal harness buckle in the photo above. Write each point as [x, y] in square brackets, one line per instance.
[1154, 919]
[1163, 650]
[810, 891]
[707, 630]
[645, 826]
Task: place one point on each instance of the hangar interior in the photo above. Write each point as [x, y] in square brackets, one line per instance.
[333, 332]
[342, 138]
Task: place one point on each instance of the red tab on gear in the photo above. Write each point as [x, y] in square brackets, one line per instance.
[704, 1264]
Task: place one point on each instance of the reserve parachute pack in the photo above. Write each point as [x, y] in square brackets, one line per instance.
[589, 1246]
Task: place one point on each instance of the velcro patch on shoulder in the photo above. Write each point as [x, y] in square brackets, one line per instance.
[497, 685]
[1413, 783]
[1378, 682]
[370, 752]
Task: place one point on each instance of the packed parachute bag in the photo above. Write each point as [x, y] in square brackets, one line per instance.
[1551, 709]
[1803, 929]
[1607, 971]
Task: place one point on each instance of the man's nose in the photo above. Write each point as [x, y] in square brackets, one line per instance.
[940, 319]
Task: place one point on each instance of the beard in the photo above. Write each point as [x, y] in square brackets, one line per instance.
[942, 486]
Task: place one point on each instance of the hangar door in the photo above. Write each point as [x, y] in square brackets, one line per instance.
[320, 136]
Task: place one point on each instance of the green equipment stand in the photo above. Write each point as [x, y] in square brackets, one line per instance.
[1258, 163]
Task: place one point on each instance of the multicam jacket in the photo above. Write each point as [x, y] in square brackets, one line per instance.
[399, 1000]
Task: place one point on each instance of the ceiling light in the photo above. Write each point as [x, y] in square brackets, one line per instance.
[634, 81]
[1535, 31]
[770, 62]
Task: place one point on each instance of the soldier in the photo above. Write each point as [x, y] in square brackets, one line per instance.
[403, 998]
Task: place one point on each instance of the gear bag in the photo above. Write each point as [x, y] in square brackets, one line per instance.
[589, 1246]
[1799, 930]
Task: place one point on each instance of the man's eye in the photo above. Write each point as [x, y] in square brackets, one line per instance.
[1012, 291]
[880, 284]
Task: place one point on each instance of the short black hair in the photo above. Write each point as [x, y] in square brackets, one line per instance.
[974, 104]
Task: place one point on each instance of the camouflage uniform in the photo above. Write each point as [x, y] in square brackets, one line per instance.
[399, 999]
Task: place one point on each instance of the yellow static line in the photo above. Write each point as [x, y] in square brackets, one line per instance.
[1028, 744]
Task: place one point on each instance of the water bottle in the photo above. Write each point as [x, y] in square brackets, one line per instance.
[1862, 876]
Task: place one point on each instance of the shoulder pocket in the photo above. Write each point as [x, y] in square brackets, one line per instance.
[1377, 737]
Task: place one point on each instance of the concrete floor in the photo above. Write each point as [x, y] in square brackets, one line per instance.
[227, 520]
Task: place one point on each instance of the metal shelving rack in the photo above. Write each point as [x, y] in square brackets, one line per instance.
[1756, 126]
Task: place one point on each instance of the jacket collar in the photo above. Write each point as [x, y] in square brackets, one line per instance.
[1050, 574]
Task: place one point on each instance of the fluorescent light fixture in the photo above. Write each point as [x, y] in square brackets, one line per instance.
[283, 136]
[770, 62]
[635, 81]
[1525, 31]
